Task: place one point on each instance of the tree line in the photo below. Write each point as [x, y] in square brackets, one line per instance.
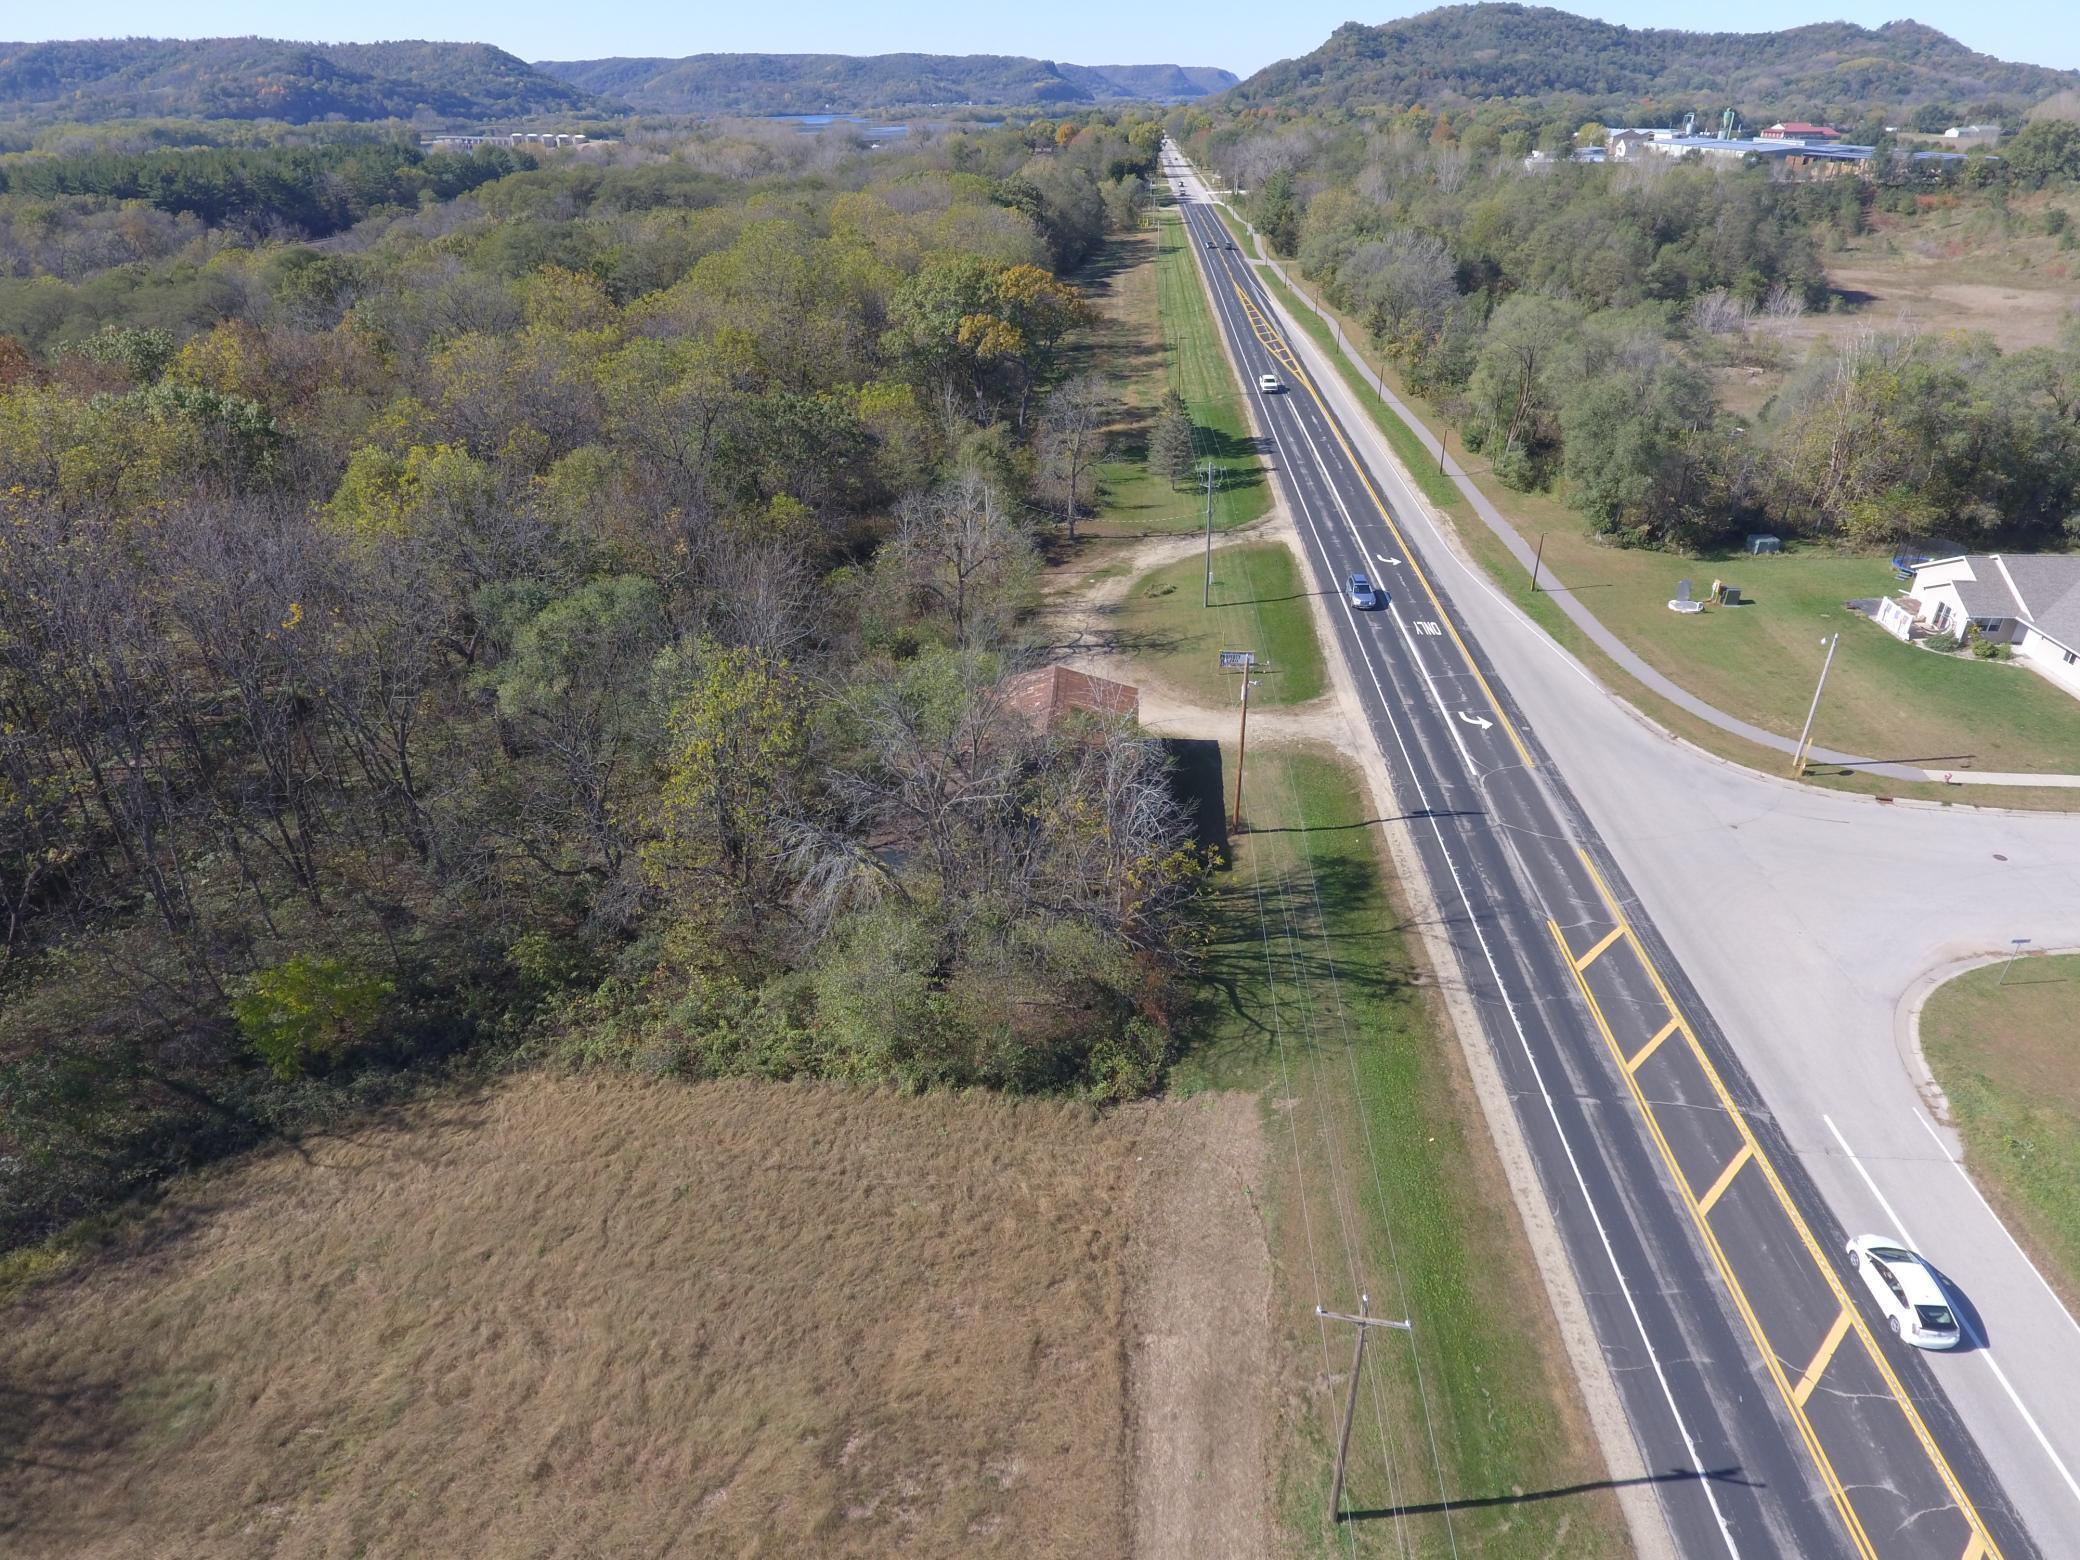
[570, 616]
[1573, 318]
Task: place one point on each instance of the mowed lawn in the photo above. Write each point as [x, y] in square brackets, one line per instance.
[2007, 1053]
[599, 1317]
[1384, 1180]
[1157, 333]
[1259, 604]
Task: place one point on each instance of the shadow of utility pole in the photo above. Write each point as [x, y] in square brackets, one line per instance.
[1474, 1503]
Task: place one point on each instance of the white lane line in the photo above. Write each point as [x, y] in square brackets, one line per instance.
[1980, 1345]
[1225, 310]
[1999, 1223]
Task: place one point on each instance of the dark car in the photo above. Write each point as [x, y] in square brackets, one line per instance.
[1360, 593]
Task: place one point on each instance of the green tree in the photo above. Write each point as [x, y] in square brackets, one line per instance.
[1172, 441]
[308, 1009]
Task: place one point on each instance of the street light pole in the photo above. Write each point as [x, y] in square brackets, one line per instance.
[1798, 759]
[2015, 947]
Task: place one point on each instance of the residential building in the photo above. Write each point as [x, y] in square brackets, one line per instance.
[2027, 601]
[1047, 694]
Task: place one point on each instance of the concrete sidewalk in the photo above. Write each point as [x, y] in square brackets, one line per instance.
[1609, 643]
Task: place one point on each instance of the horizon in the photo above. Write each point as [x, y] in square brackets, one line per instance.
[1079, 32]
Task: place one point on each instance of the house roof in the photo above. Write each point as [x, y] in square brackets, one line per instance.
[2042, 589]
[1047, 693]
[1800, 127]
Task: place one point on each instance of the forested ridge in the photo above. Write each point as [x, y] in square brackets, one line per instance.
[563, 612]
[1465, 54]
[1573, 319]
[816, 83]
[91, 79]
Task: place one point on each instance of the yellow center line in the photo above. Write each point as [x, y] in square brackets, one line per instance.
[1832, 1480]
[1596, 952]
[1302, 378]
[1640, 1056]
[1804, 1231]
[1822, 1355]
[1718, 1187]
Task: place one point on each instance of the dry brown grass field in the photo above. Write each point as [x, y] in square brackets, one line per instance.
[599, 1317]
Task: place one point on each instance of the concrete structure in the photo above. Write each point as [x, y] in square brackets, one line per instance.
[1817, 156]
[2030, 601]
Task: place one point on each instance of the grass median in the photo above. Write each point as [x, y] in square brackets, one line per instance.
[2007, 1053]
[1157, 333]
[1384, 1180]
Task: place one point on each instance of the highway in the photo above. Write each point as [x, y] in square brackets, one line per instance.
[1774, 1417]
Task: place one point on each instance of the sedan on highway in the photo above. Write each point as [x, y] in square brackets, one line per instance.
[1358, 589]
[1269, 384]
[1915, 1307]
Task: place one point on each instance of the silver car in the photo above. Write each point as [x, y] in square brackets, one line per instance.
[1915, 1306]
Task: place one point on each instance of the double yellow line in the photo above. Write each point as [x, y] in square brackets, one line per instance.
[1981, 1545]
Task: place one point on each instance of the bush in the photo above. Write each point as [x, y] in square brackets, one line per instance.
[1942, 644]
[307, 1008]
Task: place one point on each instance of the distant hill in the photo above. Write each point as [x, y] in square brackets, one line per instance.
[813, 83]
[1465, 53]
[263, 78]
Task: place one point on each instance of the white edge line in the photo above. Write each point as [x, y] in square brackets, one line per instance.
[2002, 1224]
[1981, 1347]
[1509, 1006]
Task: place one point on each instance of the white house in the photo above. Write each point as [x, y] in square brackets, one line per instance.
[2028, 600]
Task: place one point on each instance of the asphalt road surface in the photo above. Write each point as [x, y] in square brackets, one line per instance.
[1777, 1417]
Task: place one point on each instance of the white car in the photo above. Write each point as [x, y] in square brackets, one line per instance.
[1269, 384]
[1915, 1306]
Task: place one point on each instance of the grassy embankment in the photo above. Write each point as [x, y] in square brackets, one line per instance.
[1259, 604]
[1384, 1181]
[1156, 333]
[2008, 1056]
[1885, 700]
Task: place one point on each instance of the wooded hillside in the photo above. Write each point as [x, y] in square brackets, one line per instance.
[1467, 53]
[266, 78]
[815, 83]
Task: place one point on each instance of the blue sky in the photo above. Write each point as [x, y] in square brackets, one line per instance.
[1240, 36]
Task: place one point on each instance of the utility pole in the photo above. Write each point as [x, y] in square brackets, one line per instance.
[1798, 760]
[1365, 1321]
[1208, 470]
[1538, 558]
[1442, 440]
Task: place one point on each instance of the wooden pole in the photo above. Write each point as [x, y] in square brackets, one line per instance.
[1350, 1412]
[1537, 559]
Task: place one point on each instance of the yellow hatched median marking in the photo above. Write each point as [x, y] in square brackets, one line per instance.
[1640, 1056]
[1822, 1356]
[1988, 1549]
[1718, 1188]
[1976, 1548]
[1770, 1363]
[1596, 952]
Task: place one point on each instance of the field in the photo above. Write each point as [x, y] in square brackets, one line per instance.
[1155, 332]
[569, 1317]
[1468, 1437]
[2008, 1056]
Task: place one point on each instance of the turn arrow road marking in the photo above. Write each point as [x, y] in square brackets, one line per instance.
[1475, 720]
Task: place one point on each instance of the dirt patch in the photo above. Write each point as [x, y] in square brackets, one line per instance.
[1202, 1378]
[578, 1317]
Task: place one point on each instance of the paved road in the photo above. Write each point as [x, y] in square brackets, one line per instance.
[1754, 1383]
[1651, 677]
